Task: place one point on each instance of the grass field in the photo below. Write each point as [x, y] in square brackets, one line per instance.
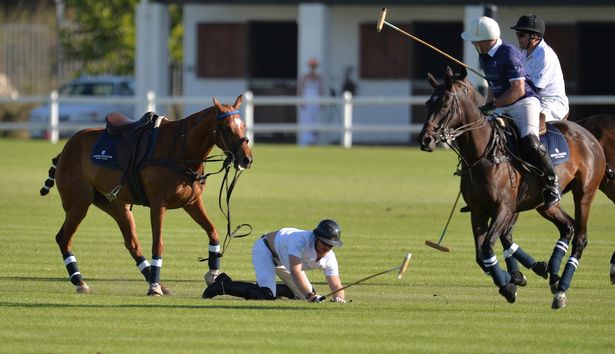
[388, 202]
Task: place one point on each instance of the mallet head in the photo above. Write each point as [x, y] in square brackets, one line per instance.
[404, 265]
[383, 15]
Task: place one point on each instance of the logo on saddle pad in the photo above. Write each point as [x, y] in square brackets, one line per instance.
[557, 154]
[103, 156]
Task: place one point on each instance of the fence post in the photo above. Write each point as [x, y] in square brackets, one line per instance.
[249, 113]
[151, 101]
[54, 117]
[347, 131]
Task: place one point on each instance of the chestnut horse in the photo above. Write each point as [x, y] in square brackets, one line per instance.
[496, 188]
[171, 177]
[603, 128]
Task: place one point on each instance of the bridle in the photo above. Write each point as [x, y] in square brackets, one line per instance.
[234, 147]
[442, 132]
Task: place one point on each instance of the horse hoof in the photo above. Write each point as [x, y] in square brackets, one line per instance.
[211, 275]
[540, 268]
[509, 291]
[517, 278]
[82, 289]
[166, 291]
[154, 290]
[559, 300]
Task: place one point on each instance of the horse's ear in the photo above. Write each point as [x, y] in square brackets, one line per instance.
[238, 101]
[463, 73]
[432, 80]
[217, 104]
[448, 71]
[448, 80]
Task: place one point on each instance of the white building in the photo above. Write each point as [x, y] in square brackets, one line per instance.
[232, 46]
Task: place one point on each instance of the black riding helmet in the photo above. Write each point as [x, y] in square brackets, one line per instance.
[530, 23]
[329, 232]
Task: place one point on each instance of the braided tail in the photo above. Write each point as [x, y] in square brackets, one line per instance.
[51, 180]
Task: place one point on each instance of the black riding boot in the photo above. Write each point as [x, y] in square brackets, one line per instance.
[534, 152]
[224, 285]
[282, 290]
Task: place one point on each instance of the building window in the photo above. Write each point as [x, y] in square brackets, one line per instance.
[221, 50]
[385, 54]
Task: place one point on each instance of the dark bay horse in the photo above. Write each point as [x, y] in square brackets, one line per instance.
[172, 177]
[603, 128]
[496, 188]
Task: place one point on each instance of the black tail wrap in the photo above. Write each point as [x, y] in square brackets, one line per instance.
[50, 182]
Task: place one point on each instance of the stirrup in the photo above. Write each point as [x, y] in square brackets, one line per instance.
[111, 196]
[551, 196]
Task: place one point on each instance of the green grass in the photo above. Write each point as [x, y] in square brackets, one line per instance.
[388, 202]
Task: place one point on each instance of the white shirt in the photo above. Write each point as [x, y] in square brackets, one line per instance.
[543, 68]
[300, 243]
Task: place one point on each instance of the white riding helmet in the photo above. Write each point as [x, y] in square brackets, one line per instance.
[482, 29]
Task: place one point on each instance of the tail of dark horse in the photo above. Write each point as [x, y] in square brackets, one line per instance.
[51, 179]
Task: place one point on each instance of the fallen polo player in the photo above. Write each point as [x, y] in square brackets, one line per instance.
[287, 253]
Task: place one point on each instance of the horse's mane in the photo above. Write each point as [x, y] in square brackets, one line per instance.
[201, 113]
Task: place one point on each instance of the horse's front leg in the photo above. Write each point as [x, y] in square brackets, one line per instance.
[156, 218]
[479, 230]
[499, 225]
[197, 211]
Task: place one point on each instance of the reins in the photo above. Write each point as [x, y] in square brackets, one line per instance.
[227, 189]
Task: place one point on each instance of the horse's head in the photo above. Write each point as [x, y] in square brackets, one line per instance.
[445, 108]
[230, 133]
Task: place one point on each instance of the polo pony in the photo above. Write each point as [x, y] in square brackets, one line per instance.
[153, 162]
[497, 187]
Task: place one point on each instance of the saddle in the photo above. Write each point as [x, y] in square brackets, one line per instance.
[124, 145]
[551, 137]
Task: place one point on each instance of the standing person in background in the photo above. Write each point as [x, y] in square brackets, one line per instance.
[348, 84]
[542, 67]
[310, 86]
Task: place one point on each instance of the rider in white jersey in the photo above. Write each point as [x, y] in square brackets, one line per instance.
[543, 68]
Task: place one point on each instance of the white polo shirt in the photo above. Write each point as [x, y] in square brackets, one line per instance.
[300, 243]
[543, 68]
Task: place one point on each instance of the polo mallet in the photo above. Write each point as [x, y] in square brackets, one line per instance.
[438, 246]
[382, 22]
[402, 270]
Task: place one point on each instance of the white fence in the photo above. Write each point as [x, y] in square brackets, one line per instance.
[345, 129]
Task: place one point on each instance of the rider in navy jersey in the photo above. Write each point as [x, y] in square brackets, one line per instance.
[512, 93]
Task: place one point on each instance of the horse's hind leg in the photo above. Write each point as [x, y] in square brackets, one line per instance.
[199, 215]
[565, 226]
[74, 216]
[125, 221]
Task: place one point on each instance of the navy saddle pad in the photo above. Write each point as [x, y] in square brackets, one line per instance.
[104, 151]
[553, 140]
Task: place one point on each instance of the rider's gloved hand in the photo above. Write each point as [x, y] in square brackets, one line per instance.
[488, 108]
[316, 298]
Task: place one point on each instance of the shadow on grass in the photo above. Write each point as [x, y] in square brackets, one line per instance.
[159, 306]
[65, 279]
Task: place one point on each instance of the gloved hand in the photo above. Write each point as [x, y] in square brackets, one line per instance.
[488, 108]
[316, 298]
[339, 299]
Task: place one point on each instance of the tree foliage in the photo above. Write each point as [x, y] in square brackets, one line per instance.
[100, 35]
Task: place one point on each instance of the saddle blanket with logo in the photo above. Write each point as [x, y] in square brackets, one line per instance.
[553, 140]
[104, 152]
